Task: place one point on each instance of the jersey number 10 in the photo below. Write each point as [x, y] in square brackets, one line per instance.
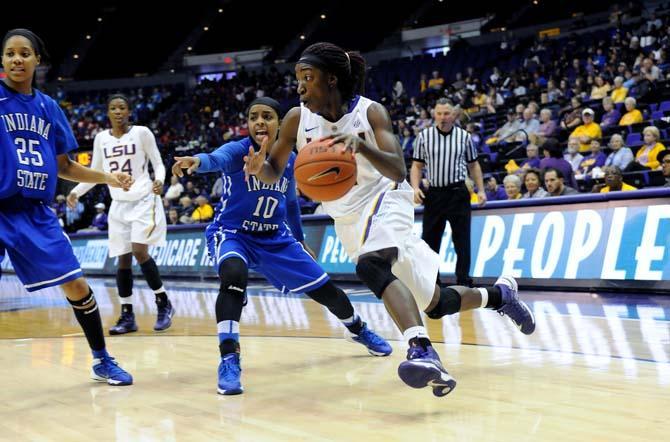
[270, 206]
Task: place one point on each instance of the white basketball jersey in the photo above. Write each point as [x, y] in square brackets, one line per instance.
[130, 154]
[369, 181]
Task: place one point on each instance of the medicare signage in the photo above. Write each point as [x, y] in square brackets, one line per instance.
[600, 244]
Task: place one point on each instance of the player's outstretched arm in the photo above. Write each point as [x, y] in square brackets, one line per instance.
[69, 170]
[270, 168]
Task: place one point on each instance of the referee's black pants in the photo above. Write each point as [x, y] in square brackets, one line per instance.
[451, 203]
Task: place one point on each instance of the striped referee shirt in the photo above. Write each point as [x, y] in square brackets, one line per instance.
[446, 154]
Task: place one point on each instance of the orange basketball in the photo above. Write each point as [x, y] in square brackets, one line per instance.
[323, 172]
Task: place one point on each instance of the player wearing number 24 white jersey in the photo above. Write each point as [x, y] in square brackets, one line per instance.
[136, 217]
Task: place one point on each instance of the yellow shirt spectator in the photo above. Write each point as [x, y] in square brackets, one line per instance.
[591, 130]
[632, 117]
[203, 213]
[624, 187]
[474, 199]
[435, 83]
[619, 94]
[598, 93]
[649, 157]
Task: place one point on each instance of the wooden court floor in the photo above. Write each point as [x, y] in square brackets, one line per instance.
[596, 369]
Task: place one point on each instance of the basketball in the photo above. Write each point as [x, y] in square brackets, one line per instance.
[323, 172]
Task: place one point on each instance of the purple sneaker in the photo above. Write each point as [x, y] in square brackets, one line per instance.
[125, 324]
[164, 317]
[513, 307]
[423, 368]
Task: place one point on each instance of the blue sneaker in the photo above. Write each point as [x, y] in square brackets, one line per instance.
[125, 324]
[229, 375]
[106, 369]
[164, 318]
[423, 368]
[376, 345]
[513, 307]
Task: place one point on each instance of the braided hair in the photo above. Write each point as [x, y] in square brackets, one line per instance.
[348, 67]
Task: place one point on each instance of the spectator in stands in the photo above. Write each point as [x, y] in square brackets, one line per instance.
[436, 82]
[632, 114]
[600, 89]
[506, 130]
[554, 181]
[479, 102]
[72, 216]
[59, 208]
[572, 116]
[647, 155]
[493, 191]
[204, 212]
[587, 131]
[518, 89]
[512, 185]
[100, 219]
[649, 71]
[519, 108]
[553, 93]
[533, 158]
[613, 181]
[664, 158]
[424, 120]
[548, 127]
[553, 158]
[173, 217]
[529, 125]
[611, 116]
[398, 89]
[185, 209]
[619, 92]
[191, 191]
[175, 190]
[572, 154]
[621, 156]
[595, 159]
[532, 181]
[407, 142]
[423, 83]
[629, 79]
[493, 100]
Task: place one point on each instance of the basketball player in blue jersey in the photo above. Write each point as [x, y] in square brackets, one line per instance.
[258, 227]
[35, 138]
[374, 220]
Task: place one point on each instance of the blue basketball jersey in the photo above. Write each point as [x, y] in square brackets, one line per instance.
[33, 132]
[252, 206]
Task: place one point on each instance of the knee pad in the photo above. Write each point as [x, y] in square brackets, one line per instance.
[233, 273]
[449, 304]
[375, 273]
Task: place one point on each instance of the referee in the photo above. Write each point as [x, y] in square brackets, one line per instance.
[448, 153]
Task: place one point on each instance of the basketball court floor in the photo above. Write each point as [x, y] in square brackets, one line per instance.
[596, 369]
